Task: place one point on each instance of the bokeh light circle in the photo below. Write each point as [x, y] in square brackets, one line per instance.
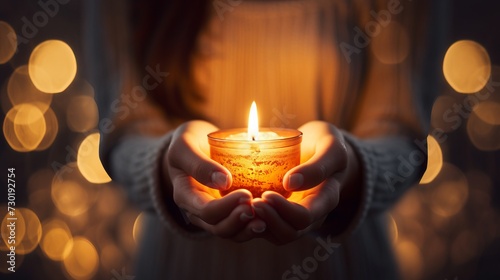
[27, 232]
[69, 196]
[8, 42]
[21, 90]
[483, 135]
[467, 66]
[449, 192]
[24, 127]
[55, 238]
[52, 66]
[29, 126]
[82, 259]
[410, 258]
[33, 231]
[488, 112]
[88, 160]
[82, 114]
[52, 128]
[434, 160]
[138, 227]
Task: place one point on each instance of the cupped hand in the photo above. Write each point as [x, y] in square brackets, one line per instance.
[315, 185]
[196, 181]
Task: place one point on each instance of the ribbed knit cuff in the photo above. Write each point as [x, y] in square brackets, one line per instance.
[366, 154]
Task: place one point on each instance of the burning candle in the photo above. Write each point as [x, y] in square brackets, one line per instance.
[257, 159]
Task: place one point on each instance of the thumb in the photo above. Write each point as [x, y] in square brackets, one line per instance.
[184, 157]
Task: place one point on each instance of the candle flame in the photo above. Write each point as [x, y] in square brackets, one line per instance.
[253, 123]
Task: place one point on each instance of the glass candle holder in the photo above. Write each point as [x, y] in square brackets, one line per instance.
[256, 165]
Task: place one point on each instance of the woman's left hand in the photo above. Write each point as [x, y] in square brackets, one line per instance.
[315, 185]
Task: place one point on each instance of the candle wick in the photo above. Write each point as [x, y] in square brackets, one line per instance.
[253, 138]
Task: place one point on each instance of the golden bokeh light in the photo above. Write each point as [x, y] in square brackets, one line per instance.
[126, 231]
[52, 66]
[488, 112]
[483, 135]
[19, 264]
[450, 192]
[82, 114]
[111, 201]
[410, 259]
[393, 229]
[20, 229]
[138, 227]
[413, 230]
[392, 45]
[52, 128]
[29, 126]
[70, 197]
[467, 66]
[409, 206]
[56, 235]
[8, 42]
[21, 90]
[33, 231]
[111, 256]
[9, 132]
[434, 160]
[88, 160]
[28, 230]
[82, 259]
[24, 127]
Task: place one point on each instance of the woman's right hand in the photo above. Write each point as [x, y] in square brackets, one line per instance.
[196, 180]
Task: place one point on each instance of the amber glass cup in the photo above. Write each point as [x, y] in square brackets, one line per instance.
[256, 165]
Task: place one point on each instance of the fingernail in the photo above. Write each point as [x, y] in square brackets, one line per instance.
[259, 229]
[246, 216]
[295, 181]
[219, 179]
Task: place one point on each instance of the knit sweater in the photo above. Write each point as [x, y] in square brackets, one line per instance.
[286, 56]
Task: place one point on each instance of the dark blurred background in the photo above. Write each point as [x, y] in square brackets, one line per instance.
[75, 224]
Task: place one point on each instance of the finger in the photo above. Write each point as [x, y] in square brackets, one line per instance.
[276, 226]
[330, 157]
[310, 132]
[295, 214]
[193, 198]
[229, 226]
[217, 209]
[323, 201]
[254, 229]
[185, 154]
